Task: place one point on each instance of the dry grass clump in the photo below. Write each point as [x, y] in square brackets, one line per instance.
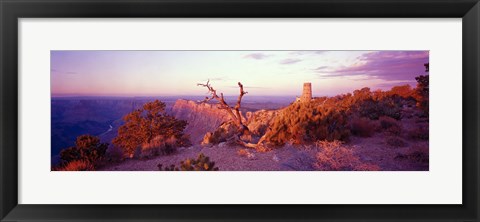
[262, 149]
[417, 153]
[396, 141]
[77, 165]
[334, 156]
[388, 122]
[419, 133]
[390, 125]
[245, 153]
[242, 152]
[363, 127]
[159, 146]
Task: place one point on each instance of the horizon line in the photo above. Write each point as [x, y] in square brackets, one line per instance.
[133, 96]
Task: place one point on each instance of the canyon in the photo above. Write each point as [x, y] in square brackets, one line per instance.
[102, 117]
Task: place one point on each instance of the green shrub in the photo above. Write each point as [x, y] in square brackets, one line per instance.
[308, 122]
[202, 163]
[143, 125]
[87, 148]
[326, 118]
[387, 122]
[390, 125]
[167, 168]
[387, 106]
[368, 108]
[363, 127]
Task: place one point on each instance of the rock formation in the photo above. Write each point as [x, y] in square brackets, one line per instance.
[201, 118]
[205, 119]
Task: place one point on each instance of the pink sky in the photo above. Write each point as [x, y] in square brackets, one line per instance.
[153, 73]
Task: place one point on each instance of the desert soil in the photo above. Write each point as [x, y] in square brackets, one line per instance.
[373, 150]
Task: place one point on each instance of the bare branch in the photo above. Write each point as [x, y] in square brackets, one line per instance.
[222, 107]
[234, 112]
[207, 99]
[205, 85]
[211, 91]
[238, 105]
[221, 101]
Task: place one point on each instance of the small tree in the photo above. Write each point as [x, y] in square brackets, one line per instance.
[87, 148]
[421, 92]
[143, 125]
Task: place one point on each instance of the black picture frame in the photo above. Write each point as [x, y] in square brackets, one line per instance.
[11, 11]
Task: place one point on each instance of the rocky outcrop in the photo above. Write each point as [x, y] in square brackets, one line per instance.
[258, 122]
[204, 118]
[225, 131]
[201, 117]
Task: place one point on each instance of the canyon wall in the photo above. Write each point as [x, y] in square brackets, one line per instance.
[201, 117]
[204, 117]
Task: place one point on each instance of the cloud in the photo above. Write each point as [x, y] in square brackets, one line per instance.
[307, 52]
[257, 56]
[391, 84]
[255, 87]
[322, 68]
[289, 61]
[250, 87]
[361, 79]
[53, 70]
[222, 78]
[385, 65]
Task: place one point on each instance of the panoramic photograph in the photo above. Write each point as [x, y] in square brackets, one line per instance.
[308, 110]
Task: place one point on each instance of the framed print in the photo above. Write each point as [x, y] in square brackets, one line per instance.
[311, 110]
[151, 132]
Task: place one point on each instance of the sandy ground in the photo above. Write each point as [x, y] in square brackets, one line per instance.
[373, 150]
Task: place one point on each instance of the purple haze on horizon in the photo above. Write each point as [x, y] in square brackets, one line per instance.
[264, 73]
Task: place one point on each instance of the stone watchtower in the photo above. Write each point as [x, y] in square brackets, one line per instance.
[307, 92]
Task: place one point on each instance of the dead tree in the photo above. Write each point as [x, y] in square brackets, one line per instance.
[234, 112]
